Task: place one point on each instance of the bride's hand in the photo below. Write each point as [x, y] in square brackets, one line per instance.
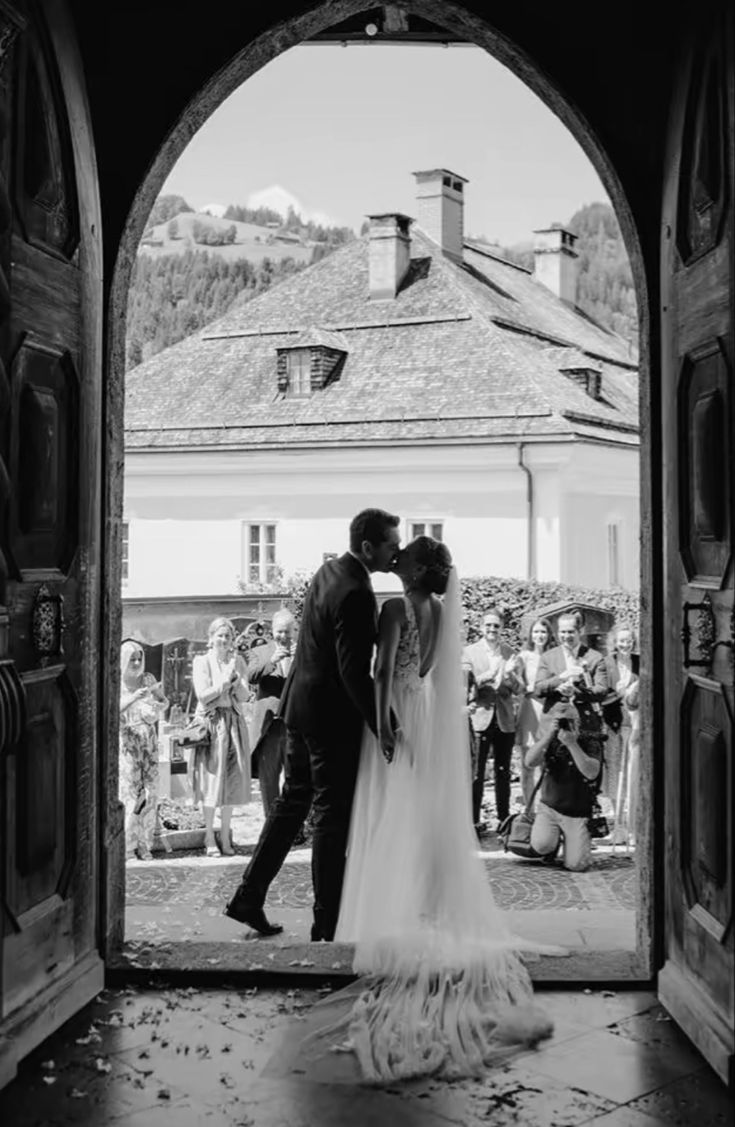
[388, 744]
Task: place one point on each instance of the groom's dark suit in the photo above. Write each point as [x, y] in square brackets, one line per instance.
[328, 697]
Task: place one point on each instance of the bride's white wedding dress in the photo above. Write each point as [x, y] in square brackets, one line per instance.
[442, 987]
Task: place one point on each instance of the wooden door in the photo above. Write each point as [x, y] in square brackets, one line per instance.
[50, 383]
[697, 981]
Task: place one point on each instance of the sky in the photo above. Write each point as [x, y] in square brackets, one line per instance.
[342, 128]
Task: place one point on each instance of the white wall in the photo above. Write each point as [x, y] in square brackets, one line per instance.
[600, 489]
[186, 510]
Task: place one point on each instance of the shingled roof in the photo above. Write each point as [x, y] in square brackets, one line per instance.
[465, 351]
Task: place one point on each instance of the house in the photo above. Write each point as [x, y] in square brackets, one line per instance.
[412, 369]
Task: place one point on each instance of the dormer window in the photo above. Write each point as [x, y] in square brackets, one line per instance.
[587, 377]
[298, 367]
[314, 360]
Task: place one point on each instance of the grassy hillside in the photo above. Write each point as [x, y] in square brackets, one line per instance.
[178, 235]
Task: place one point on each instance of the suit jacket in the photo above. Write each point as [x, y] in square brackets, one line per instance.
[489, 700]
[263, 673]
[612, 708]
[553, 663]
[329, 688]
[269, 682]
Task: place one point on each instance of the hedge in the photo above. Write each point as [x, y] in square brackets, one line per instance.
[517, 597]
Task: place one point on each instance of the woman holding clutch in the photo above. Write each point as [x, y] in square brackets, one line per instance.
[222, 770]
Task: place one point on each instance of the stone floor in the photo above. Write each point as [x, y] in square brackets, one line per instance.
[174, 915]
[174, 904]
[191, 1057]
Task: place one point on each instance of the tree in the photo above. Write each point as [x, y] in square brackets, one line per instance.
[165, 208]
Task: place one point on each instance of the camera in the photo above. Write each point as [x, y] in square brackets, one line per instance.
[564, 723]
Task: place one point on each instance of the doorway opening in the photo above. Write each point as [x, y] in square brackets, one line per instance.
[526, 470]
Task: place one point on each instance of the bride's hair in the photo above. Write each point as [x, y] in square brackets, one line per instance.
[437, 559]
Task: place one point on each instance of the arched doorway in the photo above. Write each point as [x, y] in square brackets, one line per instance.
[681, 71]
[465, 28]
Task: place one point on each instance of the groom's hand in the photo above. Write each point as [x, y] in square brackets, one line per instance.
[388, 744]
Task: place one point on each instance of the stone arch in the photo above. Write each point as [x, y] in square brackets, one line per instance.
[245, 63]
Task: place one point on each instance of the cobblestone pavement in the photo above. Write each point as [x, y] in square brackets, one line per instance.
[515, 883]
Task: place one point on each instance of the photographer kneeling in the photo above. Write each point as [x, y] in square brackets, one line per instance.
[572, 762]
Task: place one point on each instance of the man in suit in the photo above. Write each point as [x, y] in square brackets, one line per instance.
[268, 668]
[328, 697]
[572, 672]
[489, 667]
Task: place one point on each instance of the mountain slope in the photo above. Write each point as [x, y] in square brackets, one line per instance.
[605, 289]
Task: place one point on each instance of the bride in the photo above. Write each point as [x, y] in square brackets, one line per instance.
[441, 989]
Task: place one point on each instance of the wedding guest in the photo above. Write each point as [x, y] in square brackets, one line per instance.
[489, 665]
[268, 668]
[571, 763]
[142, 703]
[540, 638]
[222, 769]
[622, 666]
[631, 700]
[573, 671]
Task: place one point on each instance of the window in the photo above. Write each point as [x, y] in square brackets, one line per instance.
[613, 555]
[261, 549]
[299, 372]
[125, 563]
[434, 528]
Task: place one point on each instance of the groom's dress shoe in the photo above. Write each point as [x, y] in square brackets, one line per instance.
[252, 917]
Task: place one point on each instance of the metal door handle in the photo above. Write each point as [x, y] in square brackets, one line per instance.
[705, 630]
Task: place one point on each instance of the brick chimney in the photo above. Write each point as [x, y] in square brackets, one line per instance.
[555, 261]
[389, 253]
[440, 197]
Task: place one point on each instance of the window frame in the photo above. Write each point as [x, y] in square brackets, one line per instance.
[125, 553]
[427, 523]
[267, 568]
[302, 372]
[614, 554]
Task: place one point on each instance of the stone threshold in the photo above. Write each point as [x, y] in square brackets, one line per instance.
[265, 964]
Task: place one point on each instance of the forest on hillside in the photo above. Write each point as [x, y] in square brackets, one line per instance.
[174, 295]
[605, 288]
[178, 294]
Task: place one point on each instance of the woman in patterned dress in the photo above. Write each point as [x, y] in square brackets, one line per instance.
[540, 638]
[222, 771]
[142, 703]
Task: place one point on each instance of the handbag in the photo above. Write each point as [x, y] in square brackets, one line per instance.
[196, 731]
[597, 822]
[515, 830]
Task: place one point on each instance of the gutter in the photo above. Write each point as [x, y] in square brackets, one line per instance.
[530, 529]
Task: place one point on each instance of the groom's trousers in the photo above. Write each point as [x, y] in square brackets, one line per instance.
[320, 772]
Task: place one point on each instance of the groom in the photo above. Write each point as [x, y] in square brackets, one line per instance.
[327, 699]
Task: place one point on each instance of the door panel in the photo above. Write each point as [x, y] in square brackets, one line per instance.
[50, 383]
[697, 981]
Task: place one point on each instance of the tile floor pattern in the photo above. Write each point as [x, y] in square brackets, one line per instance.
[193, 1057]
[515, 883]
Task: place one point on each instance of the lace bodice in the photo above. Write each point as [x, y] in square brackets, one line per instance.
[408, 654]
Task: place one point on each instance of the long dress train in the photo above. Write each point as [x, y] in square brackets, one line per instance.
[442, 987]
